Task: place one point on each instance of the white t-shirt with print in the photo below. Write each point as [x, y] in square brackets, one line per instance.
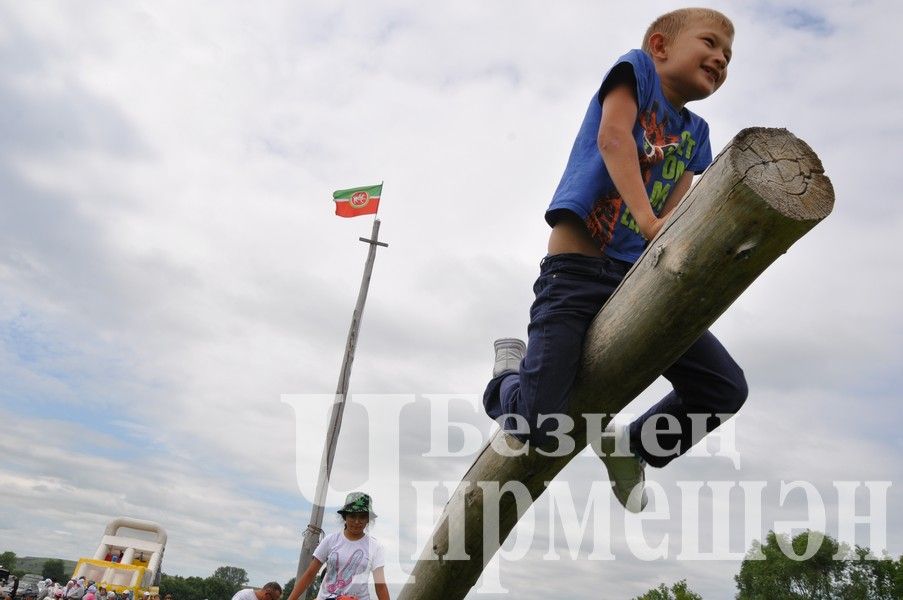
[245, 594]
[348, 565]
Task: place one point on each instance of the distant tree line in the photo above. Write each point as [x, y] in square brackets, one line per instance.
[819, 577]
[50, 568]
[221, 585]
[776, 577]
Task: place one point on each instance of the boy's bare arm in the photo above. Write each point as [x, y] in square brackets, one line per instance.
[677, 193]
[618, 148]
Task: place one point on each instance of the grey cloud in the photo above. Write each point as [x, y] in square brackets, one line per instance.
[47, 110]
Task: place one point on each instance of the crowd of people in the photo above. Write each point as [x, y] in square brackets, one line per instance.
[74, 589]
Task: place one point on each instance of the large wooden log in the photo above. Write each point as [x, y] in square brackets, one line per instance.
[763, 192]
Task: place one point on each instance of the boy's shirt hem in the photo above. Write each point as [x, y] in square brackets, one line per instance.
[669, 142]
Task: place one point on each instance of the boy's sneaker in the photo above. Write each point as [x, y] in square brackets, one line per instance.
[508, 354]
[625, 470]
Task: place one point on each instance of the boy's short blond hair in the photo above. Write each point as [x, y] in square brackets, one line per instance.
[672, 23]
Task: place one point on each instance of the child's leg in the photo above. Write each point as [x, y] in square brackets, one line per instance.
[706, 381]
[569, 292]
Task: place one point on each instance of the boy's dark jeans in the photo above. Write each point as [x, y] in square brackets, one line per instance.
[570, 290]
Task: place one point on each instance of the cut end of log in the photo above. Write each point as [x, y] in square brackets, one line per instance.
[784, 171]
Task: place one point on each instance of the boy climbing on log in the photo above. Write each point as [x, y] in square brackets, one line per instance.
[634, 158]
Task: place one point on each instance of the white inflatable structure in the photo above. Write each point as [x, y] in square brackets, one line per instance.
[126, 562]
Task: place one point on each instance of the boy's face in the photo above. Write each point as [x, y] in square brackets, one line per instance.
[694, 64]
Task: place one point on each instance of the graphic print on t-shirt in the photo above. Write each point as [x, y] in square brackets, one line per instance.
[658, 147]
[343, 573]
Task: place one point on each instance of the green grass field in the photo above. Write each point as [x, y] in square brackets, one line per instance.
[34, 564]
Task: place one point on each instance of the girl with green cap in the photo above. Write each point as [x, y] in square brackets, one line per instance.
[350, 556]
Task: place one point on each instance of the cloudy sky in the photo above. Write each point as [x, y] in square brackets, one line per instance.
[175, 290]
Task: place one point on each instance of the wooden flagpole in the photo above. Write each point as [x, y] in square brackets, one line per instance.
[314, 528]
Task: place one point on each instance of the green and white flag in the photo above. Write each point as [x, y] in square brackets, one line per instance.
[357, 201]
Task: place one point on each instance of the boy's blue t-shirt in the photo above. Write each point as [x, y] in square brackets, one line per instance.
[668, 143]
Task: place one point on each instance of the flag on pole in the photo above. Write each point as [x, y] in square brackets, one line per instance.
[357, 201]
